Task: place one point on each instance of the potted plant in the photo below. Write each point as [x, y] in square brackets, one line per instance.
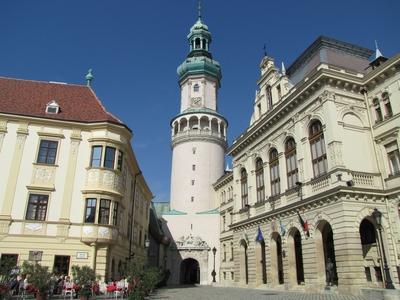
[39, 277]
[6, 276]
[84, 277]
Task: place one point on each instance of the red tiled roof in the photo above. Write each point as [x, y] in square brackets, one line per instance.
[29, 98]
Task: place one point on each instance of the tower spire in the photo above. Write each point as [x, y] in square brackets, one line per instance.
[199, 9]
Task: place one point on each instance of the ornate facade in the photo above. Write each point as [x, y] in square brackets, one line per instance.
[71, 190]
[321, 153]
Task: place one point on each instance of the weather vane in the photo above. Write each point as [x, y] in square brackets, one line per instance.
[265, 50]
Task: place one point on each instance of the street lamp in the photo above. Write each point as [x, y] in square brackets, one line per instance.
[147, 243]
[377, 215]
[299, 189]
[213, 273]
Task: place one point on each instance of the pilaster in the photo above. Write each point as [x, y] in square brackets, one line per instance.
[62, 229]
[5, 214]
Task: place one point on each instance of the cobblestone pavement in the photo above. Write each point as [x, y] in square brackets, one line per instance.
[210, 292]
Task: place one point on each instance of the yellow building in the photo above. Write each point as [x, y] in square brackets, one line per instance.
[71, 190]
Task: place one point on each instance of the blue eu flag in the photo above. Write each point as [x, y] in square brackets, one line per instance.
[259, 237]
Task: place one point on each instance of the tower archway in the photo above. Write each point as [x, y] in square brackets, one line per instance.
[190, 271]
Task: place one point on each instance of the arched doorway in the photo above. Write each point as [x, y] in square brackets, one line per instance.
[277, 259]
[329, 250]
[296, 268]
[299, 257]
[244, 262]
[190, 271]
[326, 259]
[373, 272]
[261, 266]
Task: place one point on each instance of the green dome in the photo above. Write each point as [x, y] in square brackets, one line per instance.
[199, 25]
[199, 65]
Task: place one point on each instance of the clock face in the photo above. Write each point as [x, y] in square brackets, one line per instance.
[196, 101]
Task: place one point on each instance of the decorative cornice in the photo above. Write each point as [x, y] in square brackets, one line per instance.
[223, 180]
[319, 200]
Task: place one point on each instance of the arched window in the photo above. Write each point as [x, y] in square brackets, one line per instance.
[197, 43]
[274, 172]
[318, 151]
[378, 112]
[260, 180]
[269, 96]
[224, 246]
[291, 163]
[388, 106]
[230, 193]
[196, 88]
[243, 184]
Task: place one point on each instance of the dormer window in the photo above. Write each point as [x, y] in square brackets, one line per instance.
[52, 107]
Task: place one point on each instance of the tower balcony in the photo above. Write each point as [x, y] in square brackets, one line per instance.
[199, 126]
[199, 134]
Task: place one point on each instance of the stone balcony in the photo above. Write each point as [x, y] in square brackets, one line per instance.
[106, 180]
[97, 233]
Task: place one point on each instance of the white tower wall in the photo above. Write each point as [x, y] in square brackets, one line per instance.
[196, 165]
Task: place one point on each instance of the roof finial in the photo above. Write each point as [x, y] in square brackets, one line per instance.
[89, 77]
[283, 69]
[377, 52]
[199, 9]
[265, 50]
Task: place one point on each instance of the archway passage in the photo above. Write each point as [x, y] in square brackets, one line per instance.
[280, 259]
[263, 263]
[370, 252]
[190, 271]
[329, 254]
[244, 262]
[299, 257]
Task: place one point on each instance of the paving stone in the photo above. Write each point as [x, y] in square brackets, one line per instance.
[228, 293]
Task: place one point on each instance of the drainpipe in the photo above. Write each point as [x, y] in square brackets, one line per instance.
[130, 254]
[365, 94]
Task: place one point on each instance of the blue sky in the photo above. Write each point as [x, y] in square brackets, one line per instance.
[134, 48]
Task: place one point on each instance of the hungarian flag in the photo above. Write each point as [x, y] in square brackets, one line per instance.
[304, 224]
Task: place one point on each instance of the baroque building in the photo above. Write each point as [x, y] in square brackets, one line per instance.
[198, 151]
[71, 190]
[320, 154]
